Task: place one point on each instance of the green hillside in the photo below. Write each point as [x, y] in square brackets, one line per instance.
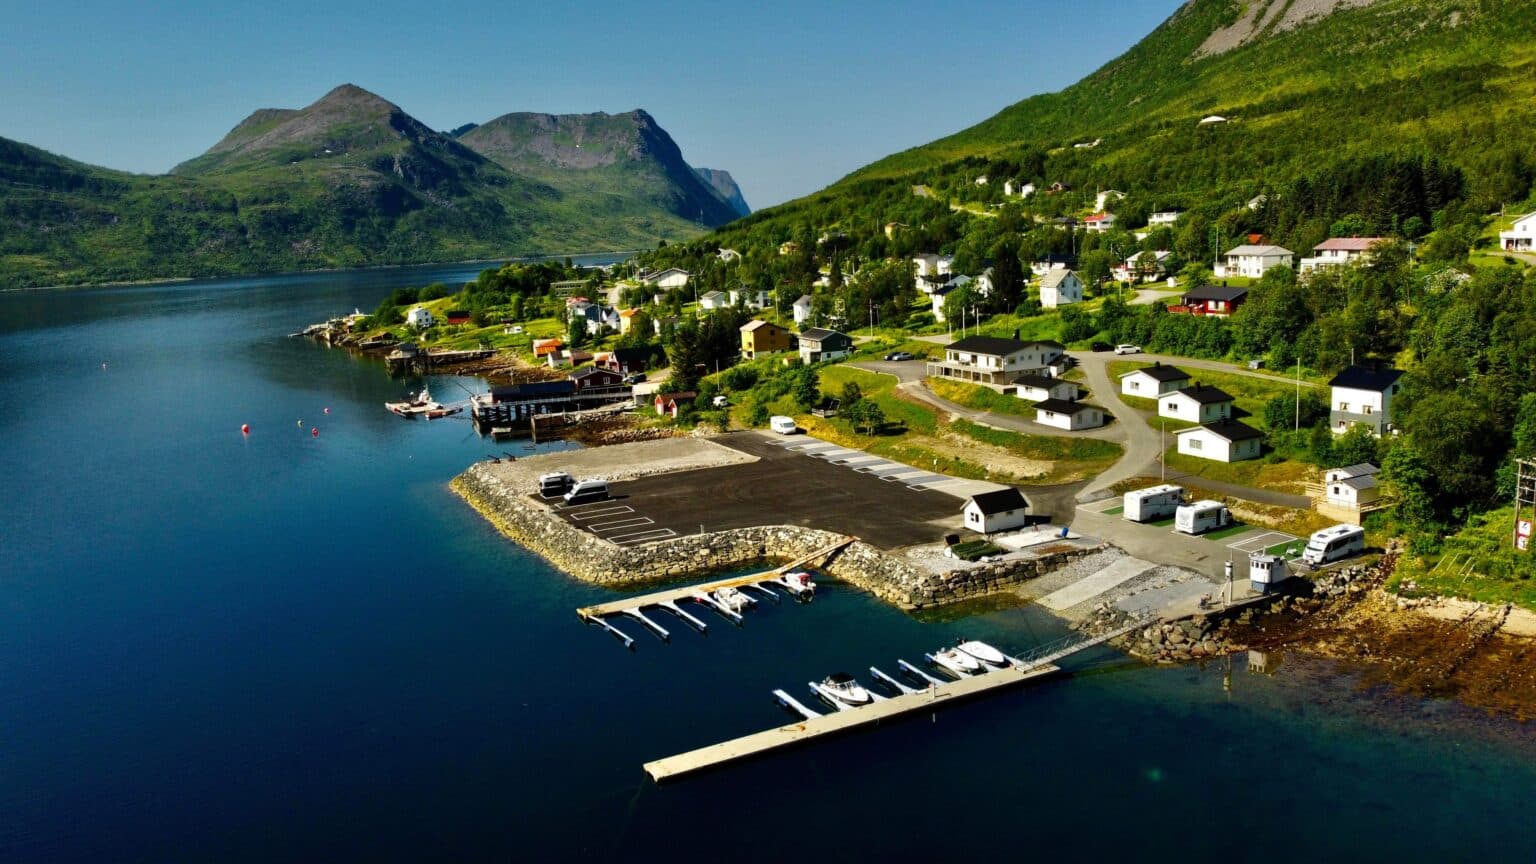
[349, 180]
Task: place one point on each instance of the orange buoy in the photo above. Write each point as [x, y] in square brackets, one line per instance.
[314, 433]
[245, 428]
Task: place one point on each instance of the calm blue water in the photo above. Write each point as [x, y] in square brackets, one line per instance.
[282, 647]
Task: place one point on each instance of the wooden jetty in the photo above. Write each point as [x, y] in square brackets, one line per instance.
[839, 721]
[689, 592]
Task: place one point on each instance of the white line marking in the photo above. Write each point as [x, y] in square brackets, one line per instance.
[641, 537]
[599, 514]
[601, 527]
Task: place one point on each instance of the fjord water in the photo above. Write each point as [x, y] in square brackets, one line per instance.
[216, 647]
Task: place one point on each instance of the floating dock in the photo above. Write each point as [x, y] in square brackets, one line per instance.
[839, 721]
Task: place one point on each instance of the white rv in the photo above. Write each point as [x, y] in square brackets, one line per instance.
[1157, 502]
[783, 425]
[1201, 516]
[1332, 544]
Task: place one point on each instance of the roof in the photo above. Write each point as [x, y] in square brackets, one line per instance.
[1232, 430]
[628, 313]
[653, 277]
[757, 324]
[1062, 406]
[1360, 470]
[1205, 395]
[1101, 217]
[1261, 251]
[531, 389]
[998, 501]
[1216, 292]
[992, 346]
[1165, 374]
[820, 334]
[804, 299]
[643, 352]
[680, 396]
[1366, 482]
[592, 370]
[1348, 244]
[709, 294]
[1361, 378]
[1042, 381]
[1054, 277]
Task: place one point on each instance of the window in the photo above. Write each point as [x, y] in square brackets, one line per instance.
[1343, 406]
[1135, 385]
[1196, 444]
[1366, 409]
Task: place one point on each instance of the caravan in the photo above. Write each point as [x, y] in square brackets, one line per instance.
[1201, 516]
[1158, 502]
[1332, 544]
[587, 491]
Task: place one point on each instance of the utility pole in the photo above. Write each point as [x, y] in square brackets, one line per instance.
[1525, 497]
[1298, 393]
[1162, 448]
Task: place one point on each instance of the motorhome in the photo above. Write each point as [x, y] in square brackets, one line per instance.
[587, 491]
[1157, 502]
[1201, 516]
[1332, 544]
[555, 483]
[783, 425]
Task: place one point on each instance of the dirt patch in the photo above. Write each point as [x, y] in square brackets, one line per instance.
[958, 446]
[1264, 16]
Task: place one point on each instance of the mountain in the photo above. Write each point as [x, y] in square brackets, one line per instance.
[725, 186]
[349, 180]
[601, 156]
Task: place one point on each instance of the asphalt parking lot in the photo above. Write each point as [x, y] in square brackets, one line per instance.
[781, 488]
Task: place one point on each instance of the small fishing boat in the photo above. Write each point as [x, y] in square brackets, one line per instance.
[733, 599]
[841, 689]
[985, 653]
[956, 662]
[798, 583]
[422, 405]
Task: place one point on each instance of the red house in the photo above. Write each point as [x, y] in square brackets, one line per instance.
[1212, 300]
[458, 316]
[671, 403]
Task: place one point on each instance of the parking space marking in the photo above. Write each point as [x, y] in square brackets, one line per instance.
[599, 514]
[1100, 506]
[1258, 542]
[603, 527]
[642, 536]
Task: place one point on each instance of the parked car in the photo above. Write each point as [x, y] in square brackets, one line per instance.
[1100, 346]
[899, 355]
[720, 402]
[636, 378]
[1127, 349]
[783, 425]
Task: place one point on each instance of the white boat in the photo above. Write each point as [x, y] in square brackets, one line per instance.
[841, 690]
[957, 662]
[985, 653]
[733, 599]
[798, 583]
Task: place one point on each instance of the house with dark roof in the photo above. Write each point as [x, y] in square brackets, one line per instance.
[760, 338]
[1212, 300]
[596, 378]
[1000, 510]
[1196, 404]
[1038, 388]
[1362, 396]
[1222, 441]
[637, 359]
[1153, 381]
[994, 361]
[1070, 416]
[818, 344]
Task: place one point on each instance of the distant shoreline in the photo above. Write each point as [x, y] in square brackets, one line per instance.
[179, 280]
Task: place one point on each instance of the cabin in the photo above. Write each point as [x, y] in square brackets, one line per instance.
[1222, 441]
[562, 358]
[1059, 287]
[1039, 388]
[1153, 381]
[818, 345]
[929, 264]
[671, 404]
[627, 320]
[714, 300]
[1001, 510]
[994, 361]
[596, 378]
[545, 347]
[1070, 416]
[1340, 251]
[457, 316]
[752, 298]
[1099, 223]
[420, 317]
[1352, 486]
[1363, 397]
[1166, 217]
[1521, 236]
[1252, 260]
[1142, 267]
[760, 338]
[627, 361]
[1211, 300]
[1196, 404]
[668, 279]
[801, 309]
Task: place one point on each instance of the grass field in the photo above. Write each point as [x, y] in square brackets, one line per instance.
[1479, 562]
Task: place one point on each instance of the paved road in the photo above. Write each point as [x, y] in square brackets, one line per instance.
[1142, 443]
[1189, 363]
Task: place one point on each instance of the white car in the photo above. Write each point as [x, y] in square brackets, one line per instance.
[1127, 349]
[721, 402]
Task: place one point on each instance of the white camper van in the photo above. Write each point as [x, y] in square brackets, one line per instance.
[555, 483]
[587, 491]
[1332, 544]
[1158, 502]
[1201, 516]
[783, 425]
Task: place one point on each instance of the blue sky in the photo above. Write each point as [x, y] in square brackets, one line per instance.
[787, 96]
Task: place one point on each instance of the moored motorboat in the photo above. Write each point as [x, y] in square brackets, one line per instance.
[422, 405]
[798, 583]
[732, 599]
[842, 690]
[956, 662]
[985, 653]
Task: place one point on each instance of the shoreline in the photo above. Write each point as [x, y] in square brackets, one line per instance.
[257, 274]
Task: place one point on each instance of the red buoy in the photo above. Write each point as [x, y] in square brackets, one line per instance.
[314, 433]
[245, 428]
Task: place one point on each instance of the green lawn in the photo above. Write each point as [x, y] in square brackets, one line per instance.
[982, 398]
[1230, 531]
[1479, 562]
[1115, 511]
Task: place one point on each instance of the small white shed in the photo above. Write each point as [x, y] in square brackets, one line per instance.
[1068, 415]
[1001, 510]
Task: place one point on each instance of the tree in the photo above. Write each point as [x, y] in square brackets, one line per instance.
[958, 303]
[1355, 447]
[1007, 276]
[807, 387]
[1408, 480]
[852, 394]
[576, 332]
[1095, 267]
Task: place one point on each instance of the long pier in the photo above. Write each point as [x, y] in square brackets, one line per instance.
[839, 721]
[690, 592]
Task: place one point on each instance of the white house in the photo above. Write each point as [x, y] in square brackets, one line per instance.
[1099, 222]
[1068, 415]
[1103, 199]
[1038, 388]
[929, 264]
[1060, 287]
[1222, 441]
[990, 512]
[1339, 251]
[729, 255]
[802, 309]
[1521, 237]
[713, 300]
[1252, 261]
[419, 317]
[936, 298]
[983, 180]
[1196, 404]
[994, 361]
[1133, 270]
[596, 317]
[1153, 381]
[1352, 487]
[818, 345]
[1363, 397]
[756, 298]
[669, 278]
[1165, 217]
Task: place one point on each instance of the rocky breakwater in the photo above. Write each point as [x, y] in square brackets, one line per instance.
[585, 556]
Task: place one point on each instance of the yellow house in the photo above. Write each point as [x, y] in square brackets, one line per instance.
[761, 338]
[627, 319]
